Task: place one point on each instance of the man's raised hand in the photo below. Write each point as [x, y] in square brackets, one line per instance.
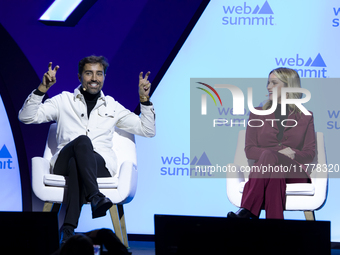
[49, 78]
[144, 87]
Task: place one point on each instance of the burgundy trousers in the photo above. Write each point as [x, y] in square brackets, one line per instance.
[267, 187]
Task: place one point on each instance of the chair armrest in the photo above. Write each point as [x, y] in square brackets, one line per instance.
[127, 182]
[40, 164]
[40, 167]
[234, 173]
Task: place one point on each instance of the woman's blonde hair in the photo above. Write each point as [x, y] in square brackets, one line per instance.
[291, 79]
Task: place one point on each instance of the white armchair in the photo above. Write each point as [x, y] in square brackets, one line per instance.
[120, 189]
[306, 197]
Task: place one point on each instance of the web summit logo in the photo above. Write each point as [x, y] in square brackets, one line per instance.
[306, 68]
[5, 158]
[179, 166]
[246, 15]
[336, 19]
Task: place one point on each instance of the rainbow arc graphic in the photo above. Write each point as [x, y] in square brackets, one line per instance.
[204, 97]
[209, 93]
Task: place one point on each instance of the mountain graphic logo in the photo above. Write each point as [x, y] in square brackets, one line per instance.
[4, 153]
[5, 158]
[209, 93]
[200, 167]
[265, 9]
[202, 161]
[318, 62]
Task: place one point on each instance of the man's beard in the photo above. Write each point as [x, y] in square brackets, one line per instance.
[92, 90]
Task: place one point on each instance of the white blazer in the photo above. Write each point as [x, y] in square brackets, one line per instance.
[70, 112]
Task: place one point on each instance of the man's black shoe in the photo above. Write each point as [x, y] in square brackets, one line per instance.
[99, 205]
[242, 214]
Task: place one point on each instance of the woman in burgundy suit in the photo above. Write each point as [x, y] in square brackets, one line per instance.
[277, 146]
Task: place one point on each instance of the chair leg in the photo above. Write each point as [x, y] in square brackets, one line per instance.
[115, 222]
[309, 215]
[123, 225]
[51, 207]
[47, 207]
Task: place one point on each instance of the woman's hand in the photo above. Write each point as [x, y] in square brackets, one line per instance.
[288, 152]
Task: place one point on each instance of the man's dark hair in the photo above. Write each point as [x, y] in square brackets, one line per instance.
[93, 60]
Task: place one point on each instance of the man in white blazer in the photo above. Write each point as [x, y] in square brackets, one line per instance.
[85, 125]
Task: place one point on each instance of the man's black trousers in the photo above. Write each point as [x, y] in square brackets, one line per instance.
[82, 166]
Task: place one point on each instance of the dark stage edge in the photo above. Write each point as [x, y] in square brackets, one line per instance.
[148, 248]
[37, 233]
[29, 233]
[214, 235]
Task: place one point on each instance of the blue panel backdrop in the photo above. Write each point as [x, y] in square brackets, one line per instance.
[10, 195]
[235, 39]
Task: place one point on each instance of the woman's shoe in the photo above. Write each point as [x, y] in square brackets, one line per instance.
[242, 213]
